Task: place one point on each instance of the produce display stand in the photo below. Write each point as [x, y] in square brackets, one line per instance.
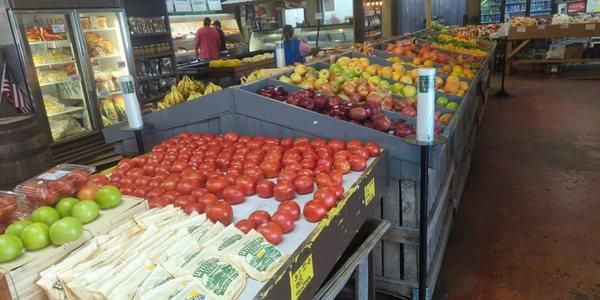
[246, 112]
[18, 278]
[524, 34]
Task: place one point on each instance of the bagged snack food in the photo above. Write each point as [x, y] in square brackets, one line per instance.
[168, 290]
[259, 258]
[227, 238]
[218, 278]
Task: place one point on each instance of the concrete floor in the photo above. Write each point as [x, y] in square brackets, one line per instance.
[528, 226]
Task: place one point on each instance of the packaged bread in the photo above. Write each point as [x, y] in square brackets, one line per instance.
[101, 22]
[86, 23]
[226, 239]
[255, 255]
[218, 278]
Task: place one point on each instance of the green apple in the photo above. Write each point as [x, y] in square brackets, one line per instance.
[44, 214]
[17, 227]
[335, 68]
[10, 247]
[384, 84]
[65, 230]
[441, 101]
[397, 88]
[35, 236]
[374, 79]
[85, 211]
[65, 205]
[452, 105]
[409, 91]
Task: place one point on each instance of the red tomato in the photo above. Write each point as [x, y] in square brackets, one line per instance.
[357, 164]
[322, 169]
[301, 139]
[248, 184]
[323, 180]
[125, 163]
[186, 186]
[127, 189]
[135, 172]
[314, 211]
[254, 171]
[270, 168]
[150, 169]
[291, 207]
[78, 177]
[342, 154]
[284, 220]
[352, 144]
[63, 187]
[306, 172]
[342, 166]
[141, 160]
[373, 148]
[171, 196]
[339, 190]
[143, 181]
[231, 178]
[128, 180]
[194, 206]
[196, 193]
[287, 142]
[308, 164]
[169, 184]
[158, 202]
[336, 145]
[360, 152]
[141, 191]
[327, 196]
[208, 199]
[178, 165]
[336, 176]
[324, 151]
[245, 225]
[216, 185]
[231, 136]
[175, 176]
[155, 193]
[287, 176]
[114, 178]
[161, 175]
[234, 194]
[264, 188]
[294, 166]
[271, 231]
[184, 200]
[154, 183]
[272, 140]
[99, 179]
[259, 216]
[284, 191]
[304, 185]
[220, 212]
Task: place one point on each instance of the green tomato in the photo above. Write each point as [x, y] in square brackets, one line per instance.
[65, 230]
[17, 227]
[452, 105]
[441, 101]
[45, 214]
[35, 236]
[10, 247]
[108, 196]
[85, 211]
[65, 205]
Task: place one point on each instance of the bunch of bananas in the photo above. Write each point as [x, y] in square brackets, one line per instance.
[211, 88]
[255, 76]
[186, 85]
[187, 89]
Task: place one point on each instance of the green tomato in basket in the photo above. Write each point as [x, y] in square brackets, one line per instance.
[17, 227]
[35, 236]
[10, 247]
[65, 230]
[108, 196]
[65, 205]
[85, 211]
[44, 214]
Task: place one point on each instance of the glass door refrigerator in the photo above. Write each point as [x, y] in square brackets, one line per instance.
[491, 11]
[515, 8]
[540, 7]
[72, 60]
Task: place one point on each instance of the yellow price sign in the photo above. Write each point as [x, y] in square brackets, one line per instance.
[300, 279]
[369, 192]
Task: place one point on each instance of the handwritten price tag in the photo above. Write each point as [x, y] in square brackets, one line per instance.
[300, 279]
[590, 26]
[369, 192]
[521, 29]
[541, 27]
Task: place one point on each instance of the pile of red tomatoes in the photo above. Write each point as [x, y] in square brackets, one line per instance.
[208, 174]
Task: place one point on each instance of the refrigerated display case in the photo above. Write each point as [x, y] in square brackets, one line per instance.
[329, 36]
[540, 7]
[491, 11]
[183, 32]
[72, 60]
[515, 8]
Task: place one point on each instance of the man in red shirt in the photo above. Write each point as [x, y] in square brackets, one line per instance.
[208, 41]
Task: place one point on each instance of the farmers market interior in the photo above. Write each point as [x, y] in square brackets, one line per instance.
[300, 149]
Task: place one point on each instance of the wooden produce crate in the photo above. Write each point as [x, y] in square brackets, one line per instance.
[18, 278]
[241, 70]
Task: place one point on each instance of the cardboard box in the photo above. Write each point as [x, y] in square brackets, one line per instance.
[18, 277]
[574, 51]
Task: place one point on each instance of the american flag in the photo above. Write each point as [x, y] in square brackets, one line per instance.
[10, 88]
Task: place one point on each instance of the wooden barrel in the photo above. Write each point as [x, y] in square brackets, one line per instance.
[24, 150]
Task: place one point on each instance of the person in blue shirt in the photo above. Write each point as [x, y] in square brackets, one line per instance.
[291, 46]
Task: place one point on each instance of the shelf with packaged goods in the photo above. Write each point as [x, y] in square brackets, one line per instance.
[48, 42]
[149, 34]
[153, 55]
[99, 29]
[68, 110]
[154, 99]
[64, 62]
[56, 82]
[111, 55]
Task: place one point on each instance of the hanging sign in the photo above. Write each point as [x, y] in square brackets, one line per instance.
[170, 6]
[199, 5]
[214, 5]
[182, 6]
